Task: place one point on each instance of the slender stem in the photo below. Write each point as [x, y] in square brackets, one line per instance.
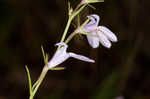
[66, 29]
[45, 69]
[85, 23]
[75, 13]
[33, 87]
[42, 76]
[69, 22]
[31, 97]
[71, 17]
[78, 30]
[78, 6]
[70, 37]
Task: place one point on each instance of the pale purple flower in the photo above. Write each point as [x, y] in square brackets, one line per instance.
[102, 33]
[61, 55]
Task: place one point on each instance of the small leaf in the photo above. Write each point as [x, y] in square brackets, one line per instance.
[91, 6]
[45, 56]
[69, 7]
[78, 20]
[70, 10]
[46, 59]
[58, 68]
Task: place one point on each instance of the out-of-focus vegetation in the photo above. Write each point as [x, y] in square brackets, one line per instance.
[123, 70]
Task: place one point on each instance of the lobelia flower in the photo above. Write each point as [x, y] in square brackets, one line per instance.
[101, 33]
[61, 55]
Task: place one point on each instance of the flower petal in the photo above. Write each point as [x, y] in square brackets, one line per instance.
[103, 40]
[108, 33]
[80, 57]
[60, 56]
[94, 20]
[95, 16]
[61, 44]
[62, 50]
[93, 41]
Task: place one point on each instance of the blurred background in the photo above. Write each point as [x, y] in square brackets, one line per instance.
[123, 70]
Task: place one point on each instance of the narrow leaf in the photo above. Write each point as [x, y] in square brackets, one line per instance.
[29, 80]
[91, 6]
[46, 59]
[43, 54]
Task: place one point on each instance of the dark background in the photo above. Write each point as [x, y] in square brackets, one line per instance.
[25, 25]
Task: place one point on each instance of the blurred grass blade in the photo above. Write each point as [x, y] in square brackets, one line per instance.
[108, 88]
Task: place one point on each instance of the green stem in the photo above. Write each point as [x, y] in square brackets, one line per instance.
[31, 97]
[42, 76]
[33, 87]
[66, 29]
[69, 22]
[85, 23]
[45, 69]
[29, 79]
[78, 11]
[78, 6]
[70, 37]
[78, 30]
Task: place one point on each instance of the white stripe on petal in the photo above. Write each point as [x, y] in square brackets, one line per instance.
[80, 57]
[108, 33]
[103, 40]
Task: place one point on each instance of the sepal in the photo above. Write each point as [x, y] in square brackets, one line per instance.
[94, 1]
[57, 68]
